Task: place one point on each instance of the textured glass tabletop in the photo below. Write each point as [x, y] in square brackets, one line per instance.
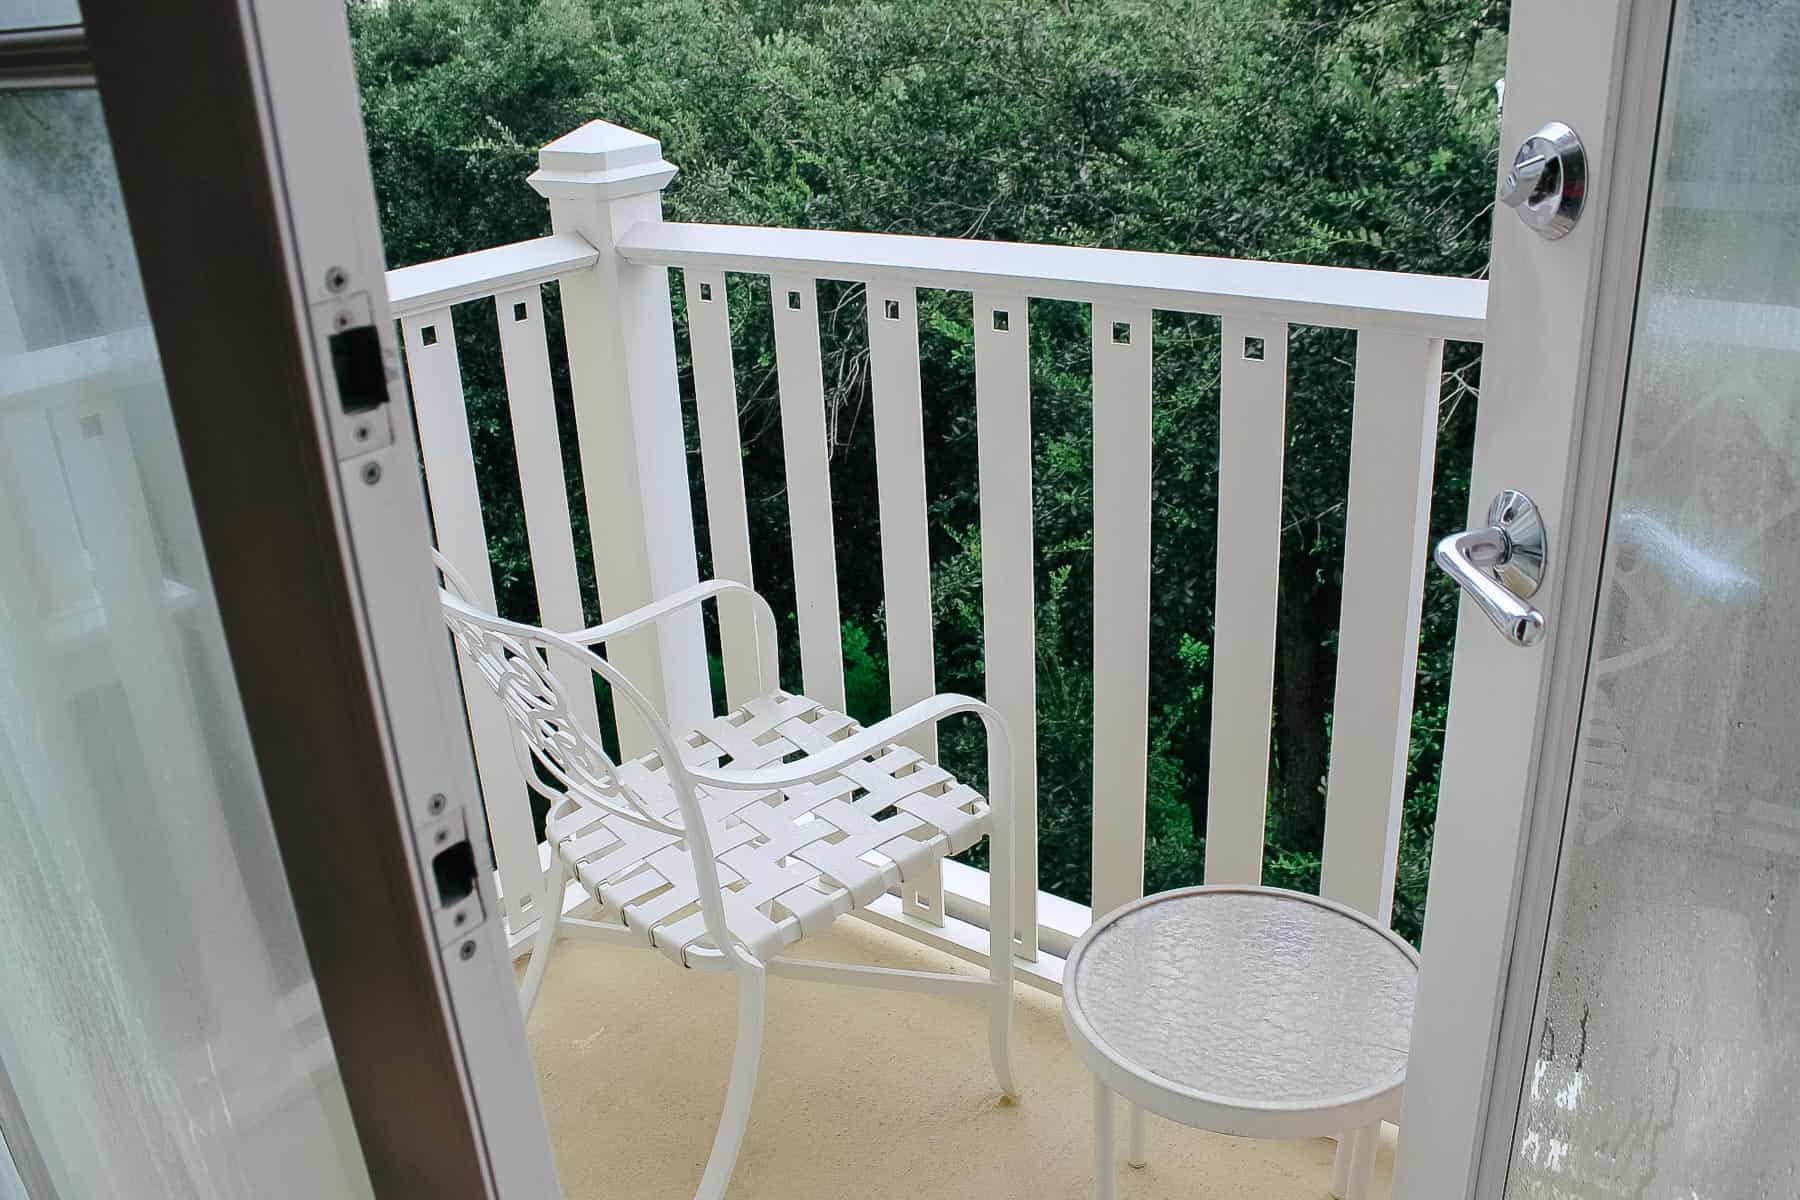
[1253, 996]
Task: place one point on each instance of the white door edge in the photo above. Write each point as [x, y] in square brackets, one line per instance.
[1566, 63]
[1637, 106]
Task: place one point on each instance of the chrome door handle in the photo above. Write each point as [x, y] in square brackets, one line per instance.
[1502, 564]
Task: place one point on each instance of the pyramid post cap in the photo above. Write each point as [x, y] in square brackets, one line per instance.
[603, 157]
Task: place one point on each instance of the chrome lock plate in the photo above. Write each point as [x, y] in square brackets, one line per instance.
[1548, 181]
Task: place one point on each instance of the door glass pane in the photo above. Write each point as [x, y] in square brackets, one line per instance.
[30, 14]
[1667, 1053]
[159, 1026]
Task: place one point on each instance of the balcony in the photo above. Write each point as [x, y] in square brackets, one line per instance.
[905, 1106]
[924, 1102]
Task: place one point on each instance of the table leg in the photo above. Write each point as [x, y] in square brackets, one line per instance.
[1103, 1142]
[1137, 1156]
[1362, 1162]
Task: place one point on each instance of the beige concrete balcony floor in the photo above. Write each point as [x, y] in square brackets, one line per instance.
[863, 1094]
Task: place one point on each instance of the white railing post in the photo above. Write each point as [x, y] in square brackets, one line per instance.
[601, 180]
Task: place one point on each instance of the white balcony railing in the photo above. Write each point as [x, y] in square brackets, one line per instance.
[610, 256]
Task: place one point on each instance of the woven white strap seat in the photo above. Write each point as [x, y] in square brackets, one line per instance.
[791, 860]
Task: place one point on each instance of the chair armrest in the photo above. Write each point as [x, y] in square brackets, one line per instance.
[656, 610]
[841, 754]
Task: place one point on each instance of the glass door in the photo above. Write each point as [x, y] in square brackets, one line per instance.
[248, 940]
[1664, 1055]
[160, 1028]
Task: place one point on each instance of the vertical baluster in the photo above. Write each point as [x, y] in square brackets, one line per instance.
[537, 446]
[1121, 601]
[905, 550]
[900, 486]
[1252, 432]
[1393, 442]
[800, 376]
[722, 464]
[1008, 602]
[443, 423]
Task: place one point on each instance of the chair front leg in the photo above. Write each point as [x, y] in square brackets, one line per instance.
[550, 903]
[752, 991]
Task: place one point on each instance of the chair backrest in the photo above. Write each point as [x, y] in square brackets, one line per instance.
[513, 658]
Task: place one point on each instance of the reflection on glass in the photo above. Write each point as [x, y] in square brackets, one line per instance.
[1667, 1048]
[158, 1019]
[31, 14]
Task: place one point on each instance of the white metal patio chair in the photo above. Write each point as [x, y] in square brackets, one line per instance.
[725, 845]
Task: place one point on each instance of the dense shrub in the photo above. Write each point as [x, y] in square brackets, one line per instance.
[1344, 132]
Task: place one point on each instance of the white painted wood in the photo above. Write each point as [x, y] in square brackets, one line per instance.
[1431, 305]
[447, 281]
[601, 180]
[1564, 63]
[963, 939]
[1121, 337]
[722, 465]
[1008, 595]
[537, 445]
[900, 492]
[1393, 443]
[801, 380]
[443, 425]
[1252, 442]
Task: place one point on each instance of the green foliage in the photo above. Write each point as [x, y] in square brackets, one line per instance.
[1344, 132]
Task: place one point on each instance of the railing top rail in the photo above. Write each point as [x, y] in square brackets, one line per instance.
[1432, 305]
[447, 281]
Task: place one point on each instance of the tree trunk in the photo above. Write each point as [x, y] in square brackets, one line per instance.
[1305, 670]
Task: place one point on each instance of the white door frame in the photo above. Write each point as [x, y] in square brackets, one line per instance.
[1559, 322]
[237, 133]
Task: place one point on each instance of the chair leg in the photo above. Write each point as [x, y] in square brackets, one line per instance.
[1000, 1018]
[550, 902]
[744, 1060]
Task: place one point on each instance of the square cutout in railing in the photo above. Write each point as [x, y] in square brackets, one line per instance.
[1253, 349]
[428, 335]
[1002, 322]
[892, 309]
[520, 312]
[794, 300]
[1121, 333]
[705, 291]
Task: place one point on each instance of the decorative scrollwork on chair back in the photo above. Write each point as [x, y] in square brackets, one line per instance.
[513, 659]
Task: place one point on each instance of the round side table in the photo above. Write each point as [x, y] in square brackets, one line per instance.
[1248, 1011]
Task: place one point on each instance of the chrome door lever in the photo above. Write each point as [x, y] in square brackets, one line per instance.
[1502, 564]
